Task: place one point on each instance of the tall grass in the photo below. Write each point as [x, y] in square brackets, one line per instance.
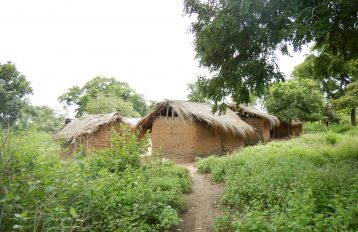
[306, 184]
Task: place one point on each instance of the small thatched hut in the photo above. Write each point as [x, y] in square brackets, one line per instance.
[285, 130]
[89, 132]
[183, 130]
[262, 122]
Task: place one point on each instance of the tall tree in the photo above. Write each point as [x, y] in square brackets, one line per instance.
[102, 87]
[333, 72]
[295, 100]
[13, 90]
[237, 40]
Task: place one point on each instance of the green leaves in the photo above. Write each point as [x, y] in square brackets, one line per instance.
[13, 89]
[295, 100]
[105, 95]
[304, 184]
[106, 191]
[238, 40]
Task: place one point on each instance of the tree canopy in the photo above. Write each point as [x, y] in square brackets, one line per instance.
[349, 101]
[40, 118]
[102, 94]
[238, 40]
[333, 72]
[295, 100]
[196, 93]
[13, 90]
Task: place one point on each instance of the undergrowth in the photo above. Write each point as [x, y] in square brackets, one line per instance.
[106, 191]
[305, 184]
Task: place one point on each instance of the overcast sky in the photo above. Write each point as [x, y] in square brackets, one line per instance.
[60, 43]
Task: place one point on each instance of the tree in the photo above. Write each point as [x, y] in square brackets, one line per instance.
[295, 100]
[108, 104]
[104, 88]
[333, 72]
[13, 90]
[196, 93]
[238, 40]
[349, 101]
[40, 118]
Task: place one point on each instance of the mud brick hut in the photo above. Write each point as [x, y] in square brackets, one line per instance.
[262, 122]
[89, 132]
[183, 130]
[285, 130]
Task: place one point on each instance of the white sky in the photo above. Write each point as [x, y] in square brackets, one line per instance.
[57, 44]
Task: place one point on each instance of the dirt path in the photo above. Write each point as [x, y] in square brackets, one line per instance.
[202, 203]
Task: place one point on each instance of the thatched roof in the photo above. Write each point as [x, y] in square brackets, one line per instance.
[75, 131]
[228, 123]
[250, 110]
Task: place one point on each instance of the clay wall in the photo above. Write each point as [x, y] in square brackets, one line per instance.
[297, 130]
[281, 131]
[262, 129]
[231, 143]
[100, 139]
[182, 140]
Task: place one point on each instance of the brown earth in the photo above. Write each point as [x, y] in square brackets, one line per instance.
[202, 202]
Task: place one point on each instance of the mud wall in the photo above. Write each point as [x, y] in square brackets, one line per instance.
[266, 132]
[231, 143]
[262, 129]
[281, 131]
[297, 130]
[182, 140]
[100, 139]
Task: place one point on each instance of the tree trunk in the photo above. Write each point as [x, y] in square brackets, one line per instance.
[353, 117]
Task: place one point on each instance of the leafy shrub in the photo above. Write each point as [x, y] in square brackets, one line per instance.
[300, 185]
[106, 191]
[331, 137]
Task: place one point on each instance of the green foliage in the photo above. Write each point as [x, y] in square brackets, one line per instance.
[304, 184]
[350, 98]
[108, 104]
[316, 127]
[39, 118]
[295, 100]
[196, 92]
[237, 40]
[106, 191]
[102, 94]
[338, 78]
[331, 137]
[13, 89]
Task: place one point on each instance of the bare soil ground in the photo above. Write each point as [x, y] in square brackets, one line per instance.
[202, 202]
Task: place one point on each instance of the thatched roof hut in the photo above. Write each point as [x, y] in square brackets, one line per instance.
[261, 121]
[182, 130]
[89, 131]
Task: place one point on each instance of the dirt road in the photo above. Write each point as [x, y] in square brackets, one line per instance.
[202, 203]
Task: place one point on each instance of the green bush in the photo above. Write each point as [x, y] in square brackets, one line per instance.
[305, 184]
[106, 191]
[331, 137]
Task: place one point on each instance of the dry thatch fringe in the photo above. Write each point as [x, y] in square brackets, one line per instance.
[228, 123]
[273, 120]
[75, 131]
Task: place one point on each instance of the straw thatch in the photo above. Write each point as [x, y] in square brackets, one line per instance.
[83, 127]
[228, 123]
[250, 110]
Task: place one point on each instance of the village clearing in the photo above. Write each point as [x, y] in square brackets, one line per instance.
[202, 202]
